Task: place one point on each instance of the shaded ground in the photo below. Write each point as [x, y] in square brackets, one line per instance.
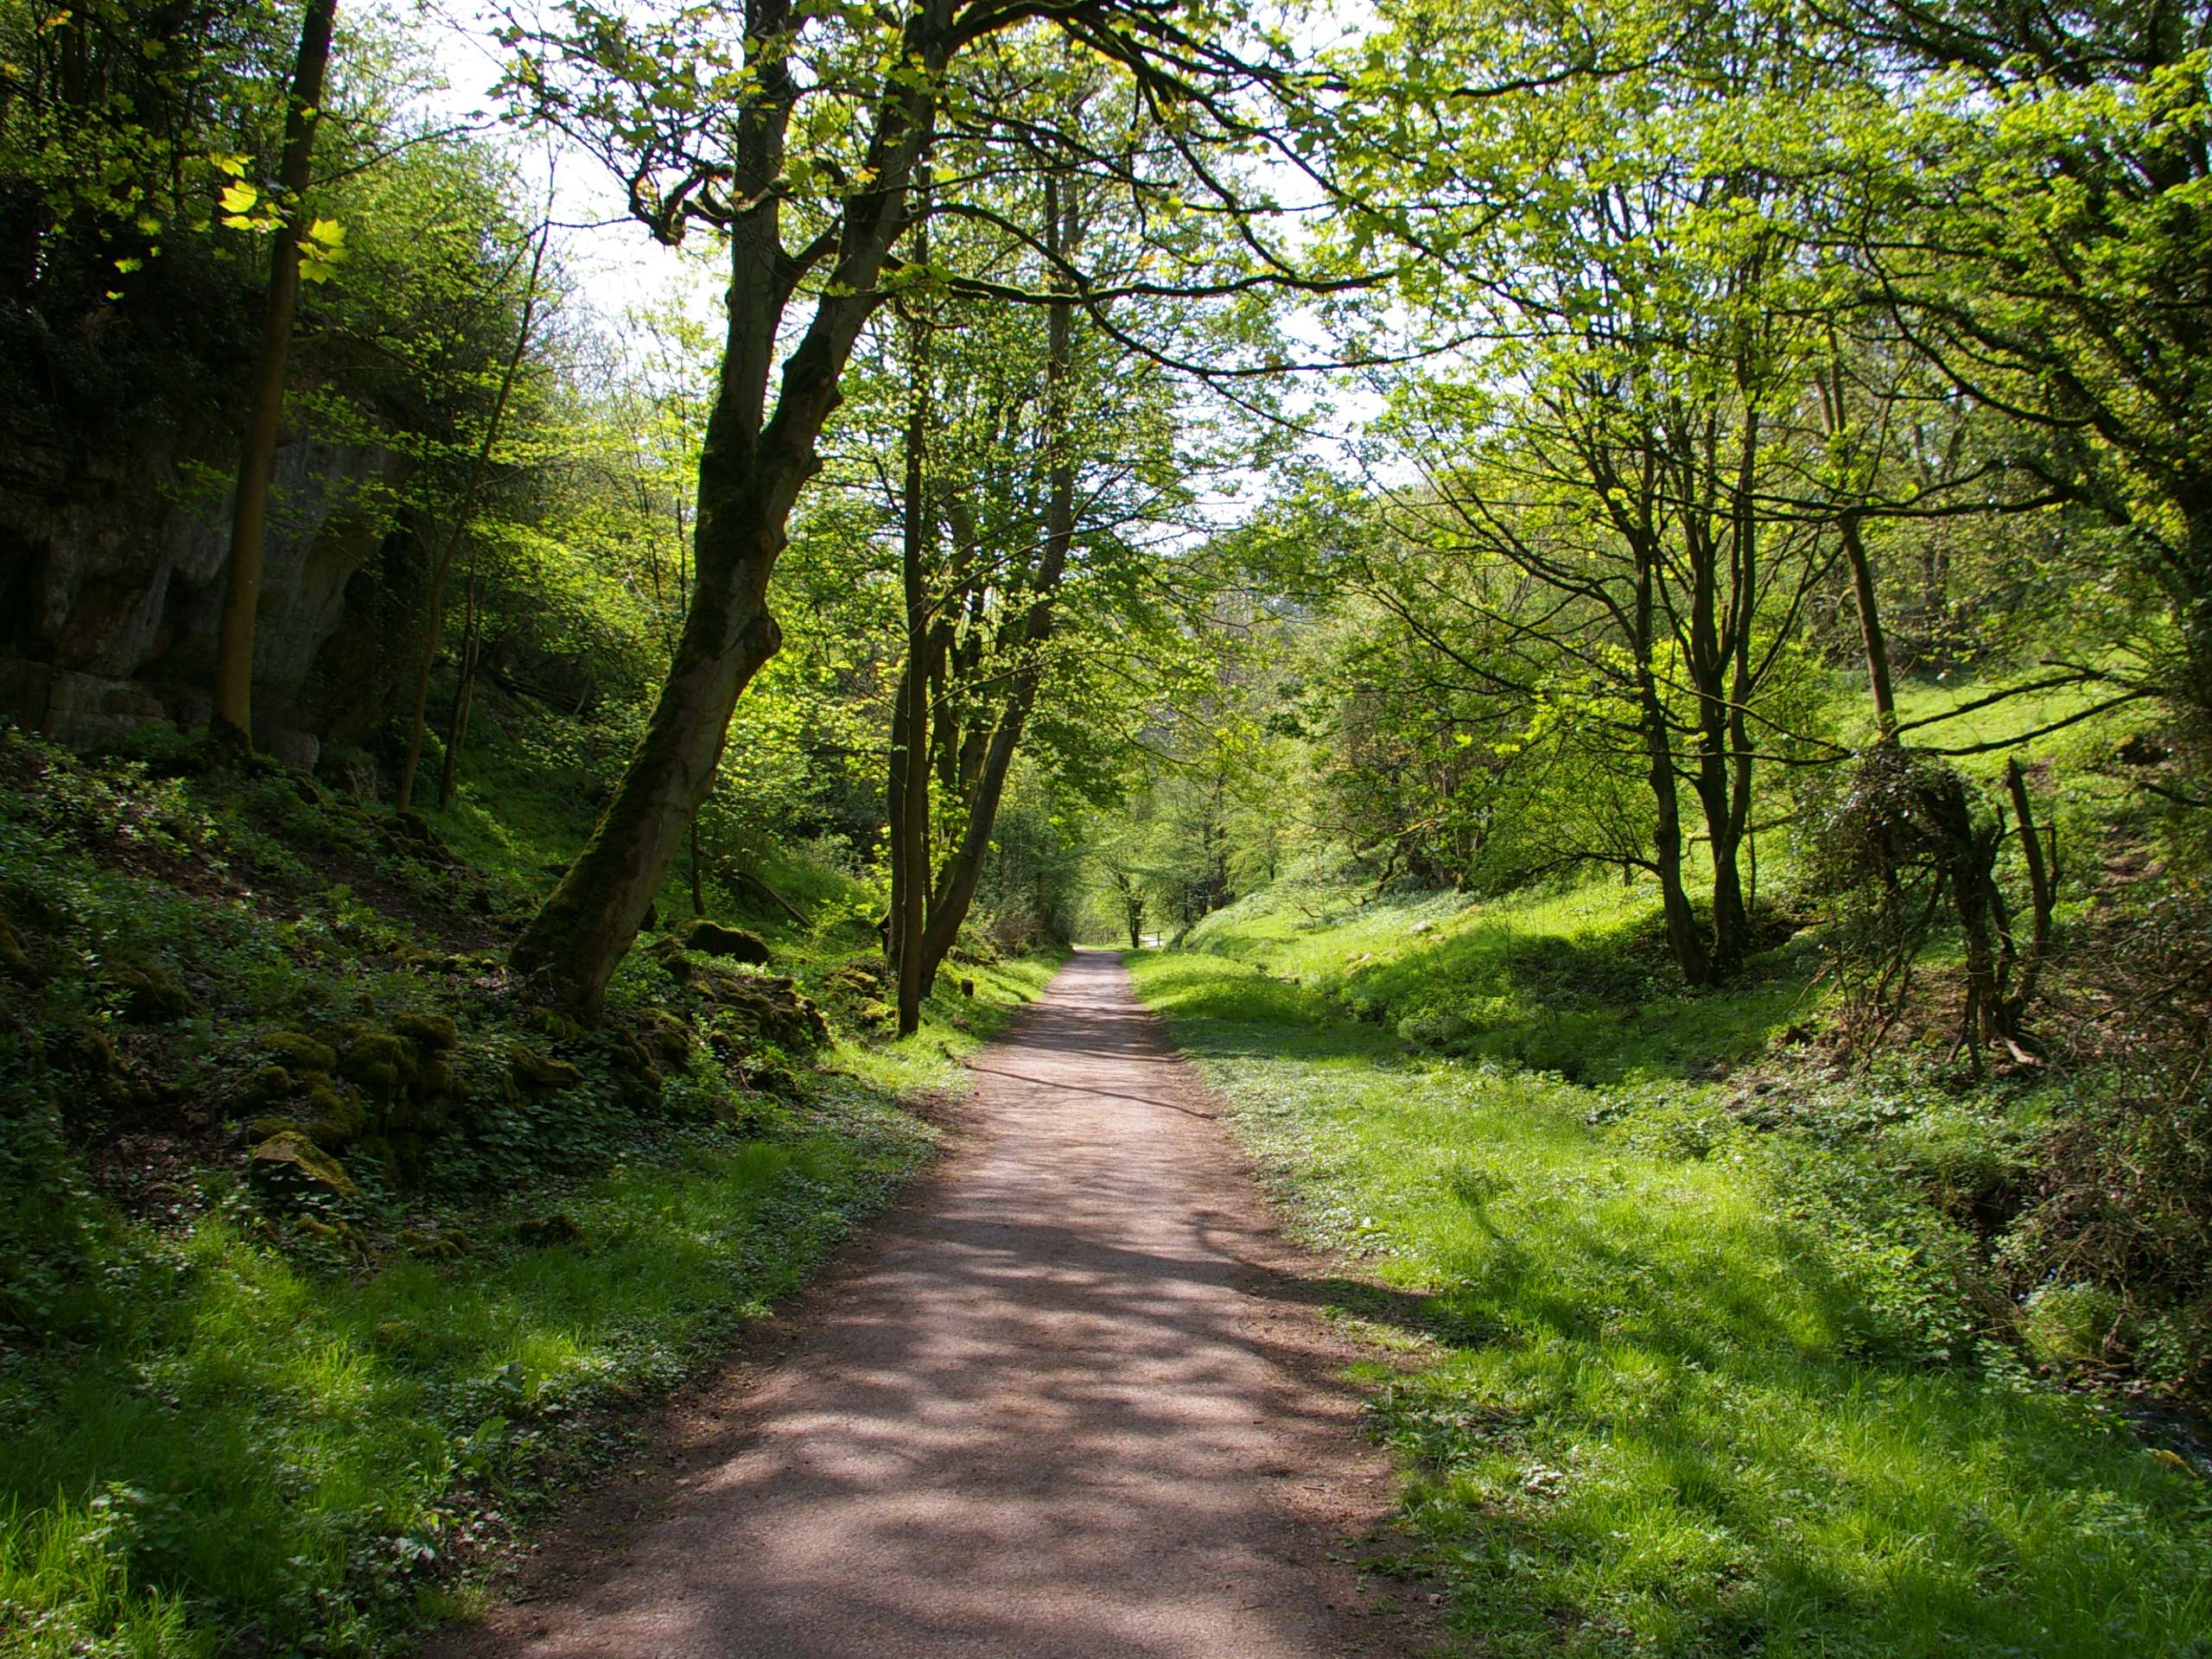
[1076, 1400]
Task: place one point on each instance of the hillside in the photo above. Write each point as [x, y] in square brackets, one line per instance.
[328, 1260]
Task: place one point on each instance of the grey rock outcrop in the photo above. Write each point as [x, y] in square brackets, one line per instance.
[112, 566]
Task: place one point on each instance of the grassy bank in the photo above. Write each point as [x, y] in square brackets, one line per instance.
[1673, 1383]
[236, 1416]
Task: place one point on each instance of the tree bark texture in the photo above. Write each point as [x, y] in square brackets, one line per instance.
[233, 687]
[752, 467]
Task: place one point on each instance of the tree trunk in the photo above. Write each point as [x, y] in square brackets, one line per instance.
[909, 793]
[464, 690]
[1682, 936]
[751, 470]
[1875, 642]
[478, 466]
[233, 687]
[955, 885]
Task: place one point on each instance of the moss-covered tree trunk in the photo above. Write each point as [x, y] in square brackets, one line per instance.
[752, 467]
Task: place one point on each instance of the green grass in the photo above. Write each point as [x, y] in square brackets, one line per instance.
[261, 1447]
[1673, 1386]
[1577, 984]
[224, 1427]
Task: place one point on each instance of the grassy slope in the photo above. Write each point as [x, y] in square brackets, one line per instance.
[1677, 1386]
[228, 1443]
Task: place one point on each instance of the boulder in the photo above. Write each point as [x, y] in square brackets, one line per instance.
[538, 1074]
[288, 1165]
[299, 1052]
[731, 944]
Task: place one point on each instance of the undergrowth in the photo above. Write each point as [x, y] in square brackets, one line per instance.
[256, 1403]
[1679, 1380]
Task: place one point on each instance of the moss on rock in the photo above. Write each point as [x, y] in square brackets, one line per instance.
[559, 1228]
[332, 1117]
[299, 1052]
[265, 1087]
[538, 1074]
[767, 1008]
[288, 1165]
[669, 1038]
[149, 993]
[732, 944]
[432, 1032]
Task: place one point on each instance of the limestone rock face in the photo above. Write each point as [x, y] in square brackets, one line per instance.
[111, 570]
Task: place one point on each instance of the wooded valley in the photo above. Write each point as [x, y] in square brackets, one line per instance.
[1613, 603]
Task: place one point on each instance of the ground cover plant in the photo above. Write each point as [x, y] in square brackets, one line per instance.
[293, 1346]
[1680, 1384]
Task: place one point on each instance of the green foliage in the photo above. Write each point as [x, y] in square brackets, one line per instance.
[302, 1413]
[1672, 1385]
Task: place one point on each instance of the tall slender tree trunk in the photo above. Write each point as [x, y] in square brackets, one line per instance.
[233, 687]
[955, 885]
[478, 465]
[1872, 638]
[1683, 937]
[464, 690]
[909, 792]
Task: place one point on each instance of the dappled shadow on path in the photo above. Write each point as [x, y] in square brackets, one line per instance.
[1075, 1405]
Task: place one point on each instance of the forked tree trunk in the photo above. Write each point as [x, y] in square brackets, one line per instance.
[955, 891]
[233, 687]
[751, 467]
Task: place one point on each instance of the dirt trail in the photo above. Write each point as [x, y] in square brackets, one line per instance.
[1075, 1400]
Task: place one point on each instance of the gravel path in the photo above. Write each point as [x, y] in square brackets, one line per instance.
[1074, 1399]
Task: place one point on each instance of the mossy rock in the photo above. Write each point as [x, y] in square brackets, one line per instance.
[633, 1057]
[411, 833]
[151, 994]
[265, 1087]
[561, 1027]
[669, 1038]
[288, 1165]
[432, 1032]
[415, 1113]
[298, 1052]
[538, 1074]
[559, 1228]
[91, 1054]
[730, 944]
[769, 1008]
[670, 955]
[437, 1247]
[435, 1078]
[332, 1117]
[14, 954]
[378, 1060]
[869, 981]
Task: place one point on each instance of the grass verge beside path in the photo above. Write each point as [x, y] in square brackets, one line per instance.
[277, 1455]
[1682, 1388]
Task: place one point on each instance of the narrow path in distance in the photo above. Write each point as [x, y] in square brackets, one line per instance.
[1076, 1400]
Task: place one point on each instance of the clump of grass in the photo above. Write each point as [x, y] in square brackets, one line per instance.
[1691, 1387]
